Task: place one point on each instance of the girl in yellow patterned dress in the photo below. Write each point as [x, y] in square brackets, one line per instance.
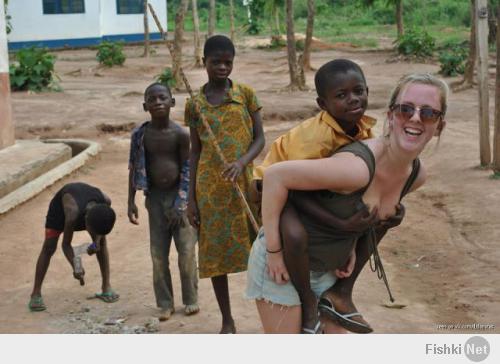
[214, 208]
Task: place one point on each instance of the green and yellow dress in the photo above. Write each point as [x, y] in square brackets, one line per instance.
[225, 233]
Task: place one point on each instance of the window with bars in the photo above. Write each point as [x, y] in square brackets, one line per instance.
[63, 6]
[130, 6]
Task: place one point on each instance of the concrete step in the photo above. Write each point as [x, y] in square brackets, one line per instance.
[28, 167]
[26, 160]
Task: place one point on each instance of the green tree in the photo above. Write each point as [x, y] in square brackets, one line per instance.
[306, 55]
[211, 18]
[297, 80]
[178, 34]
[398, 12]
[468, 80]
[496, 133]
[198, 52]
[7, 17]
[272, 7]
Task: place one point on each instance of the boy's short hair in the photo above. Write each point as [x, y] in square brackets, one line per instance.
[101, 218]
[218, 43]
[327, 73]
[154, 84]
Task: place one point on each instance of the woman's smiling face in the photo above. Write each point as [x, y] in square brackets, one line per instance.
[412, 134]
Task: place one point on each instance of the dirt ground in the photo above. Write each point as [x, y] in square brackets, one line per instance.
[442, 262]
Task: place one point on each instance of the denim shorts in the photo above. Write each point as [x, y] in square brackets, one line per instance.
[260, 286]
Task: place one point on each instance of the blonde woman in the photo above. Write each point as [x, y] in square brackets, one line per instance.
[373, 174]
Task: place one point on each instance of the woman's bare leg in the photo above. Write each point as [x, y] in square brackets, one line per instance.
[278, 319]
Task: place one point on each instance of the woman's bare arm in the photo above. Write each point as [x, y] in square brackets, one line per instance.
[350, 174]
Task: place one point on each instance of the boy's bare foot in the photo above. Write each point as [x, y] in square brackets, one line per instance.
[228, 328]
[165, 314]
[341, 309]
[191, 309]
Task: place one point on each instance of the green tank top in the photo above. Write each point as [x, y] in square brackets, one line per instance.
[329, 248]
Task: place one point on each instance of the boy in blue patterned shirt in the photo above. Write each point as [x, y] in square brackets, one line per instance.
[159, 166]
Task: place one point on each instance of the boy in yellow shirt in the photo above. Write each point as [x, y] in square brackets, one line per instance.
[343, 98]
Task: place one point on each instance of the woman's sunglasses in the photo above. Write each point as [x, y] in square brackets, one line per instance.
[427, 114]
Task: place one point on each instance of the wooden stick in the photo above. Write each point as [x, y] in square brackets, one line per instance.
[204, 121]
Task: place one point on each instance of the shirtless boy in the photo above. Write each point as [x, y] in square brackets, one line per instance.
[159, 166]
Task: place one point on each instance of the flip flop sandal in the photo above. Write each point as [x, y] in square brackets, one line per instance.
[327, 307]
[36, 304]
[108, 297]
[316, 330]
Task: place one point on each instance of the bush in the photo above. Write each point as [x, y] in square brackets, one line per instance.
[33, 71]
[453, 61]
[110, 53]
[417, 43]
[166, 78]
[277, 42]
[300, 44]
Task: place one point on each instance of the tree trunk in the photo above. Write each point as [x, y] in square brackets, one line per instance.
[492, 24]
[399, 17]
[231, 20]
[274, 20]
[146, 30]
[179, 32]
[496, 133]
[211, 19]
[482, 51]
[471, 61]
[295, 79]
[277, 21]
[468, 80]
[198, 53]
[306, 57]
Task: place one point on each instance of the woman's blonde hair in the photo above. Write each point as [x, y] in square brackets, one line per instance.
[424, 79]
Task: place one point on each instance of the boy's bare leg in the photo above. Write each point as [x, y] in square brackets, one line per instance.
[341, 292]
[42, 264]
[107, 294]
[294, 239]
[185, 242]
[221, 289]
[103, 259]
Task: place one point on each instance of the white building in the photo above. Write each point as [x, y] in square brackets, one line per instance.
[74, 23]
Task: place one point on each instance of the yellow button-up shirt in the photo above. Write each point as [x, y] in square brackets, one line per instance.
[314, 138]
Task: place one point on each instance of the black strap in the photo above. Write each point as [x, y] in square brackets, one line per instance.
[376, 265]
[411, 179]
